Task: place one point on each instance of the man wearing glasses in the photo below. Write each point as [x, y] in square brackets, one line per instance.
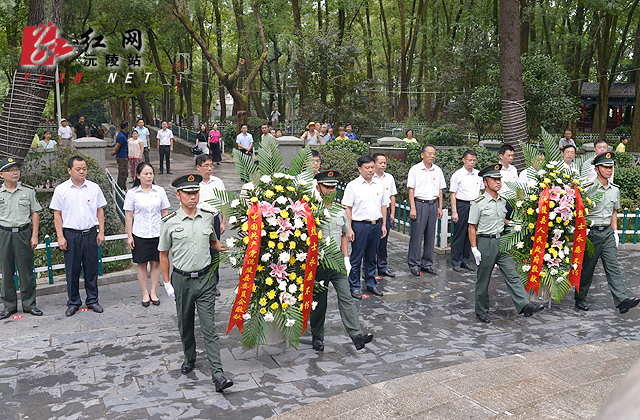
[17, 239]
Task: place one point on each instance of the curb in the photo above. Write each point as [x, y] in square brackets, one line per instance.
[111, 278]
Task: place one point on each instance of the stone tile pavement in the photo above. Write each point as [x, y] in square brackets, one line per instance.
[125, 362]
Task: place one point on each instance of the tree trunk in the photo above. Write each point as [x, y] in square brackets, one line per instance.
[299, 63]
[29, 90]
[634, 142]
[514, 117]
[388, 52]
[221, 93]
[606, 23]
[525, 22]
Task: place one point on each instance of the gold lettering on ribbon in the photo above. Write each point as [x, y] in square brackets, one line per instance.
[310, 269]
[579, 242]
[542, 229]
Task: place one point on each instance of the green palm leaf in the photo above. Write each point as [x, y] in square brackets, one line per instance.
[300, 162]
[269, 159]
[244, 165]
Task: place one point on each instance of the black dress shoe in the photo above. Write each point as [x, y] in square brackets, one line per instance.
[530, 309]
[361, 339]
[187, 367]
[627, 304]
[34, 311]
[160, 173]
[170, 173]
[456, 268]
[483, 318]
[7, 314]
[429, 270]
[582, 306]
[374, 291]
[416, 273]
[386, 274]
[468, 267]
[356, 295]
[317, 344]
[97, 308]
[222, 383]
[71, 310]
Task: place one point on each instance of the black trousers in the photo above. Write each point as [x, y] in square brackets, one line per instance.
[165, 153]
[460, 245]
[81, 254]
[382, 247]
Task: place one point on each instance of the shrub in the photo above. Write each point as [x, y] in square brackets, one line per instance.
[628, 179]
[624, 160]
[446, 135]
[228, 135]
[413, 151]
[341, 160]
[348, 145]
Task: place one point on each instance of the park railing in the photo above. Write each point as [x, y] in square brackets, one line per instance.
[118, 197]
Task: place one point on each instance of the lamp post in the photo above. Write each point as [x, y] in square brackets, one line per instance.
[292, 94]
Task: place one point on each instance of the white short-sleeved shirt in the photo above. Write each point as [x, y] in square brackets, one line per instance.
[593, 175]
[523, 178]
[389, 183]
[164, 137]
[244, 139]
[465, 184]
[206, 192]
[365, 199]
[146, 210]
[52, 143]
[65, 132]
[509, 175]
[79, 205]
[143, 133]
[426, 183]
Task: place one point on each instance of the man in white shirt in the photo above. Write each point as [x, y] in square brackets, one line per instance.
[209, 183]
[465, 187]
[244, 140]
[568, 155]
[425, 182]
[165, 145]
[274, 116]
[265, 131]
[79, 220]
[599, 146]
[64, 133]
[509, 172]
[365, 201]
[143, 133]
[390, 190]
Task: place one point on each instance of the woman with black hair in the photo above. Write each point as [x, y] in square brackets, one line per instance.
[145, 204]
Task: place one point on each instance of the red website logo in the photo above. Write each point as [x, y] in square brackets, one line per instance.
[41, 46]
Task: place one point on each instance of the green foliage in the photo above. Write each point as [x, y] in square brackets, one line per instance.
[352, 146]
[93, 113]
[623, 160]
[228, 137]
[341, 160]
[628, 179]
[445, 135]
[622, 129]
[413, 151]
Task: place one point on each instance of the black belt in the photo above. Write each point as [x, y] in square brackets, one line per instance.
[16, 229]
[426, 201]
[193, 274]
[462, 201]
[496, 236]
[82, 232]
[600, 228]
[368, 222]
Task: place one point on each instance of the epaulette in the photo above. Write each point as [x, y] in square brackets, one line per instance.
[479, 199]
[169, 216]
[588, 184]
[28, 186]
[208, 211]
[615, 185]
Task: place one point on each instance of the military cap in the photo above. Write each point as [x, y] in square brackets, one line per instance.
[328, 178]
[187, 182]
[491, 171]
[604, 159]
[7, 163]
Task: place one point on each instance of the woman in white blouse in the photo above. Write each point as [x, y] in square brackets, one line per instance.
[145, 204]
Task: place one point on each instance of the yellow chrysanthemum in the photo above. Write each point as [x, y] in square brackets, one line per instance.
[268, 281]
[566, 223]
[254, 288]
[558, 219]
[313, 207]
[271, 244]
[271, 294]
[260, 267]
[303, 266]
[292, 261]
[550, 224]
[533, 238]
[290, 188]
[292, 245]
[300, 297]
[319, 234]
[254, 199]
[274, 306]
[273, 235]
[285, 305]
[566, 176]
[530, 211]
[531, 226]
[284, 214]
[567, 260]
[297, 233]
[547, 180]
[263, 311]
[299, 280]
[553, 174]
[552, 204]
[317, 221]
[588, 200]
[542, 185]
[565, 274]
[533, 197]
[245, 227]
[245, 240]
[543, 274]
[269, 194]
[292, 276]
[305, 198]
[280, 245]
[279, 188]
[586, 211]
[263, 301]
[308, 241]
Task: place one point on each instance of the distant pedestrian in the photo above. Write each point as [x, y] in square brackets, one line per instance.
[509, 172]
[79, 220]
[201, 140]
[80, 128]
[165, 141]
[409, 138]
[331, 135]
[324, 135]
[341, 134]
[145, 204]
[112, 132]
[17, 239]
[348, 132]
[135, 153]
[311, 137]
[47, 142]
[273, 117]
[214, 144]
[566, 140]
[622, 147]
[244, 140]
[64, 133]
[144, 134]
[121, 152]
[278, 133]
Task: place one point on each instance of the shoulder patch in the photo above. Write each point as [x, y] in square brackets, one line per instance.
[208, 211]
[479, 199]
[169, 216]
[28, 186]
[588, 184]
[615, 185]
[502, 196]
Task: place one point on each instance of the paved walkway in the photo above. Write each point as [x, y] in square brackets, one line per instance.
[125, 362]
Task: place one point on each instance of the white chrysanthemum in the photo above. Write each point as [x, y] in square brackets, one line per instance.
[322, 283]
[520, 245]
[326, 213]
[302, 182]
[278, 175]
[328, 240]
[284, 257]
[560, 254]
[572, 229]
[552, 215]
[321, 254]
[233, 219]
[519, 203]
[553, 271]
[235, 203]
[313, 305]
[283, 236]
[557, 232]
[303, 236]
[559, 279]
[287, 176]
[246, 316]
[292, 300]
[272, 221]
[281, 200]
[538, 211]
[517, 228]
[248, 186]
[298, 223]
[265, 178]
[566, 249]
[541, 172]
[588, 231]
[230, 242]
[532, 184]
[547, 257]
[268, 317]
[282, 286]
[293, 288]
[301, 256]
[526, 268]
[263, 233]
[290, 323]
[265, 257]
[233, 260]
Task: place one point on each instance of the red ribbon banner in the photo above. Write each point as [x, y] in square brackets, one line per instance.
[539, 241]
[251, 258]
[311, 265]
[579, 242]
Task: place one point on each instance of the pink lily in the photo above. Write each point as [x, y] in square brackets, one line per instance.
[569, 192]
[283, 225]
[297, 207]
[268, 209]
[555, 193]
[556, 242]
[278, 270]
[554, 262]
[565, 208]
